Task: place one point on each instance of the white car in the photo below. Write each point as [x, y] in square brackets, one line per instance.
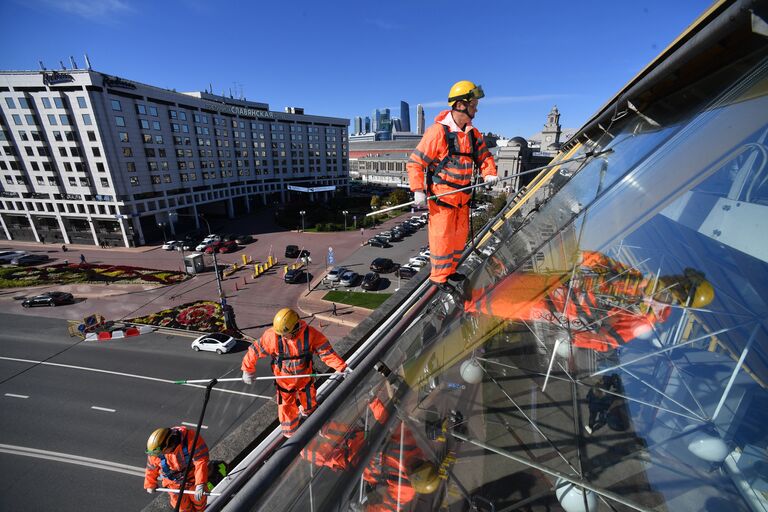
[171, 245]
[203, 245]
[335, 274]
[425, 253]
[215, 342]
[418, 261]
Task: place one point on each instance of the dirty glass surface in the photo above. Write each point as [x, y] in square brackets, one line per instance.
[608, 351]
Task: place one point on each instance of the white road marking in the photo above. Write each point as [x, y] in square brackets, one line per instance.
[72, 459]
[102, 409]
[144, 377]
[16, 396]
[193, 425]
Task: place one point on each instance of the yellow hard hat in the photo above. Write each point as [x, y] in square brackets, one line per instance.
[424, 478]
[158, 441]
[286, 321]
[464, 90]
[703, 295]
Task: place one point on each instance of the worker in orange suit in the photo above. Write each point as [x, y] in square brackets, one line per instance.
[444, 161]
[291, 343]
[602, 306]
[395, 476]
[168, 454]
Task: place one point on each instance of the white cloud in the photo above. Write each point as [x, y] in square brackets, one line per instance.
[94, 10]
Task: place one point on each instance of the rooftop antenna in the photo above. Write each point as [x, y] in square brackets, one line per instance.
[210, 87]
[62, 65]
[230, 93]
[72, 61]
[87, 62]
[42, 66]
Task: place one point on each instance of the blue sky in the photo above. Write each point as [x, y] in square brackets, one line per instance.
[345, 58]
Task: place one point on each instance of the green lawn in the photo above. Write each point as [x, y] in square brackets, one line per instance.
[364, 300]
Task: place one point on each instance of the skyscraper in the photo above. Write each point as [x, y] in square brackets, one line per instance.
[358, 125]
[367, 125]
[419, 119]
[375, 120]
[405, 116]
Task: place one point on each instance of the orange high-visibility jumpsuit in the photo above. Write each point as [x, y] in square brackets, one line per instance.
[434, 169]
[171, 467]
[597, 309]
[293, 357]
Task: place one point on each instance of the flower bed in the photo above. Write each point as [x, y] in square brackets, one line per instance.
[205, 316]
[15, 277]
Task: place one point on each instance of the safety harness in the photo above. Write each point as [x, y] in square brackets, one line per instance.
[176, 476]
[282, 355]
[435, 173]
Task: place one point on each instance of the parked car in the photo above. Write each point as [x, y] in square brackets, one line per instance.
[406, 228]
[425, 253]
[222, 247]
[202, 246]
[383, 265]
[349, 278]
[30, 259]
[292, 251]
[297, 275]
[172, 245]
[7, 256]
[420, 261]
[215, 342]
[378, 242]
[335, 274]
[49, 299]
[371, 281]
[406, 272]
[244, 239]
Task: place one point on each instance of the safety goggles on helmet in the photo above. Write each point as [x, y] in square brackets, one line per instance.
[475, 93]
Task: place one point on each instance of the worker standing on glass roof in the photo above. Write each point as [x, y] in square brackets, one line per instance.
[291, 343]
[444, 161]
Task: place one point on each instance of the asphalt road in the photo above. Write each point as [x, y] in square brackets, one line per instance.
[76, 415]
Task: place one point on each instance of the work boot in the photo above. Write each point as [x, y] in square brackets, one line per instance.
[456, 276]
[445, 287]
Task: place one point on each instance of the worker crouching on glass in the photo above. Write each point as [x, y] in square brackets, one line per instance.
[168, 453]
[291, 343]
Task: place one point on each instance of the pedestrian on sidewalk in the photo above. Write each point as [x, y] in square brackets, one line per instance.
[334, 313]
[42, 239]
[82, 259]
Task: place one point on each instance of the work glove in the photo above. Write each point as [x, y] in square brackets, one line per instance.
[199, 489]
[419, 198]
[150, 490]
[491, 179]
[248, 377]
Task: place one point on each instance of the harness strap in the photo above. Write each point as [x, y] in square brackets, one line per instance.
[434, 172]
[176, 476]
[282, 355]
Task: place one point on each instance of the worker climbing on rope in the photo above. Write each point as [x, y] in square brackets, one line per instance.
[291, 343]
[602, 305]
[445, 160]
[169, 451]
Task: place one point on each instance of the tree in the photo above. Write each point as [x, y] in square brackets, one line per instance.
[375, 202]
[399, 196]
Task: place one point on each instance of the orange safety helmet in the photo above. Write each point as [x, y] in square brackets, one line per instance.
[286, 321]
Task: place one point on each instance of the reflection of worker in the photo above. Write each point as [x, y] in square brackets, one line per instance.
[394, 475]
[168, 453]
[291, 344]
[444, 161]
[603, 307]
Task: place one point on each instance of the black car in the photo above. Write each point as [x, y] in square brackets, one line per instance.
[383, 265]
[406, 272]
[49, 299]
[295, 276]
[30, 259]
[378, 242]
[292, 251]
[243, 239]
[370, 281]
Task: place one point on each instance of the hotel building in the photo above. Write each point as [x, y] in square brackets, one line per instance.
[86, 157]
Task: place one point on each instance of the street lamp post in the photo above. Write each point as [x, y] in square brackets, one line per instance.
[345, 213]
[222, 300]
[354, 222]
[302, 213]
[161, 225]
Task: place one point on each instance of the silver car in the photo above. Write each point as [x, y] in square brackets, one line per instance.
[349, 278]
[335, 274]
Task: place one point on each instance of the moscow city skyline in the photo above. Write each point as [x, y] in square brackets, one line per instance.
[350, 59]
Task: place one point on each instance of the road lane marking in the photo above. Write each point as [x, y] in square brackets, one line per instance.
[133, 376]
[72, 459]
[193, 425]
[102, 409]
[16, 396]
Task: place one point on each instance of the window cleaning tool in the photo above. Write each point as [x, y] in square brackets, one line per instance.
[589, 154]
[166, 489]
[271, 377]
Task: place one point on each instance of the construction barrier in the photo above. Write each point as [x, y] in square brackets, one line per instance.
[119, 333]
